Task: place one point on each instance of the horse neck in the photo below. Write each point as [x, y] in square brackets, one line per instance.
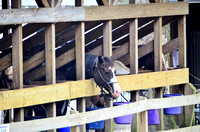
[89, 63]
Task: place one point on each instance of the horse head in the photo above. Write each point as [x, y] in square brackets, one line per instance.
[104, 76]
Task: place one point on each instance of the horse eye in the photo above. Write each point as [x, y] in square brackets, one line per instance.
[107, 74]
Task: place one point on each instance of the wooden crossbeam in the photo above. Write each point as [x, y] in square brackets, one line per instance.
[84, 88]
[106, 113]
[70, 14]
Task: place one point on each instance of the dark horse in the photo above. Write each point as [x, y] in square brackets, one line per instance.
[98, 67]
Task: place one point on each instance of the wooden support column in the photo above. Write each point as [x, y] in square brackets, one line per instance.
[80, 61]
[158, 63]
[186, 90]
[182, 41]
[133, 49]
[133, 46]
[143, 119]
[50, 64]
[5, 5]
[17, 61]
[50, 61]
[107, 51]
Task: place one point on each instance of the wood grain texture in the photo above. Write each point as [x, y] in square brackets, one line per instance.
[133, 46]
[84, 88]
[182, 41]
[106, 113]
[69, 14]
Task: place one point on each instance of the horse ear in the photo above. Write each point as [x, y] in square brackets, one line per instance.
[100, 60]
[111, 58]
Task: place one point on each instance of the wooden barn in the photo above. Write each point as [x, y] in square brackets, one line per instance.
[37, 41]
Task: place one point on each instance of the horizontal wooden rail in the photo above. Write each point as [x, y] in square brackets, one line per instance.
[76, 89]
[74, 14]
[185, 129]
[107, 113]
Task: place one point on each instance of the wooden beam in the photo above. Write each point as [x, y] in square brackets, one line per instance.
[189, 110]
[133, 52]
[133, 46]
[158, 64]
[134, 11]
[107, 51]
[17, 61]
[50, 54]
[80, 63]
[50, 67]
[107, 113]
[182, 41]
[185, 129]
[143, 119]
[107, 38]
[69, 14]
[84, 88]
[158, 44]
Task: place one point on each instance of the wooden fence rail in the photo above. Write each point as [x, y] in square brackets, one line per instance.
[107, 113]
[84, 88]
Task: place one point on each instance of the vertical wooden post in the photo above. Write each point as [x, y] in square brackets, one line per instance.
[143, 119]
[50, 64]
[80, 60]
[50, 61]
[107, 51]
[182, 41]
[158, 62]
[189, 110]
[133, 49]
[5, 5]
[80, 63]
[17, 61]
[133, 46]
[50, 54]
[76, 128]
[182, 63]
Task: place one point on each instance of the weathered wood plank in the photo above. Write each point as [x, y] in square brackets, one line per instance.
[107, 38]
[80, 62]
[107, 113]
[135, 11]
[182, 41]
[17, 57]
[107, 51]
[185, 129]
[69, 14]
[133, 46]
[50, 57]
[84, 88]
[143, 119]
[158, 63]
[158, 44]
[50, 67]
[17, 61]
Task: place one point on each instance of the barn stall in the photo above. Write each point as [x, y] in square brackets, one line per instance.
[45, 39]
